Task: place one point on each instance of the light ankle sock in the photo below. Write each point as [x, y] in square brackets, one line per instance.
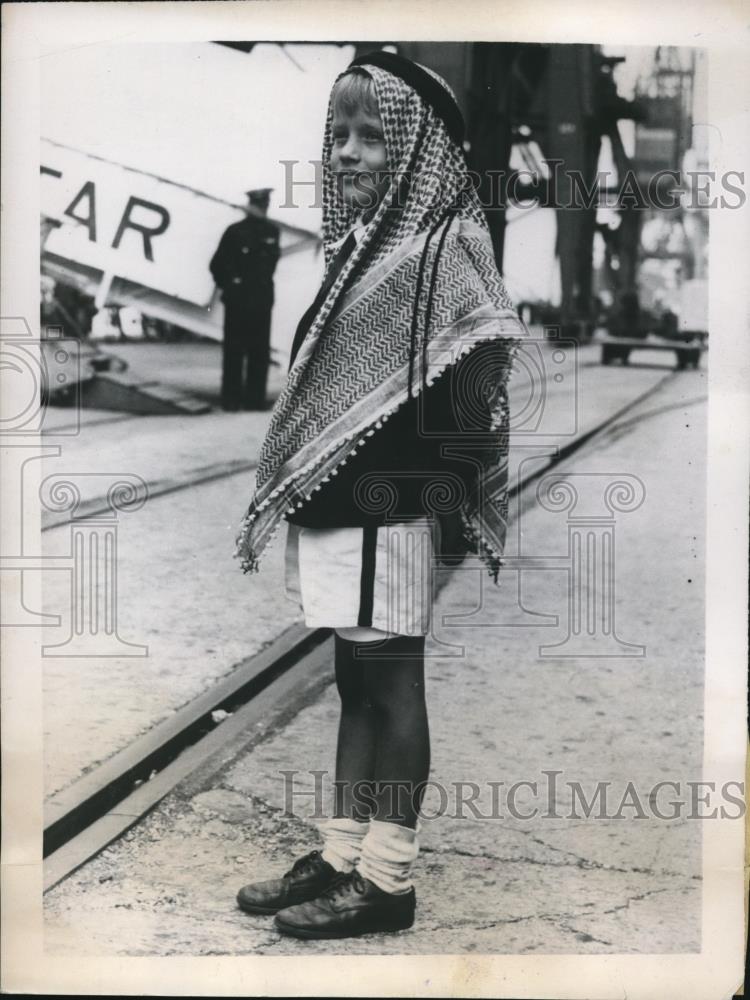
[388, 853]
[342, 840]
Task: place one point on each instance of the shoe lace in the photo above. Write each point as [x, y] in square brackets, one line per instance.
[345, 883]
[304, 865]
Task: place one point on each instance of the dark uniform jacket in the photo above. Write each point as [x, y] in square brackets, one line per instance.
[245, 260]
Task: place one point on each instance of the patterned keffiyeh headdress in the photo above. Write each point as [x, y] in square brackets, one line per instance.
[424, 273]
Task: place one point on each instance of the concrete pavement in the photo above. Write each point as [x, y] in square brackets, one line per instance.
[179, 591]
[500, 712]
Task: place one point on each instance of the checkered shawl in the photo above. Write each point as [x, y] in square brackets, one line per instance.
[430, 258]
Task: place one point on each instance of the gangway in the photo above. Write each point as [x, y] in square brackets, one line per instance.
[82, 375]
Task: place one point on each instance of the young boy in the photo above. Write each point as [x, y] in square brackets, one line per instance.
[354, 470]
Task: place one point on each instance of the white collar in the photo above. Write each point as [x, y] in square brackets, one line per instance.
[357, 230]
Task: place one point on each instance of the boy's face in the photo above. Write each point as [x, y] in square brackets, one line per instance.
[358, 155]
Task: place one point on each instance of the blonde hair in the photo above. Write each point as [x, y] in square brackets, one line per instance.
[353, 91]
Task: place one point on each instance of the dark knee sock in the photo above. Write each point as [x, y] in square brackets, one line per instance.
[394, 684]
[355, 750]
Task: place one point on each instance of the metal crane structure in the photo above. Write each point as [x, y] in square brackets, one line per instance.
[656, 258]
[564, 100]
[666, 92]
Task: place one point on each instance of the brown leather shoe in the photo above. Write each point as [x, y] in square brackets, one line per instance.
[350, 906]
[307, 878]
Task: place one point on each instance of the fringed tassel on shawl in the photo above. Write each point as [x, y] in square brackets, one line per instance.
[419, 149]
[492, 559]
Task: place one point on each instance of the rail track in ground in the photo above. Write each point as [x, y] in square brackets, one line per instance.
[261, 691]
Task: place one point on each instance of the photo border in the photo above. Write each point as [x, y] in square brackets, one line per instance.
[30, 31]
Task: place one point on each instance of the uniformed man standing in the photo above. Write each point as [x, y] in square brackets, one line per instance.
[243, 268]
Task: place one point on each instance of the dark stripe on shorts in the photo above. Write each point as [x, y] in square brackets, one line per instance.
[367, 576]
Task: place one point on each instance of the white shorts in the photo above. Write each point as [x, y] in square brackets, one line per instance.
[363, 578]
